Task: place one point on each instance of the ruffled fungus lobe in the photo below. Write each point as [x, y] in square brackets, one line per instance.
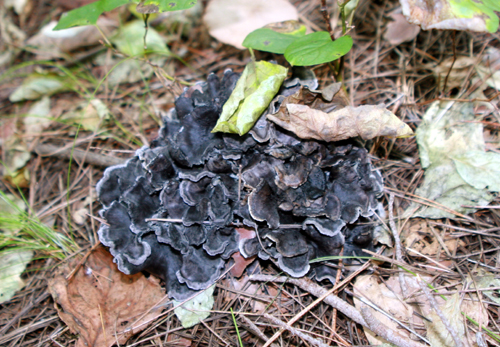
[171, 209]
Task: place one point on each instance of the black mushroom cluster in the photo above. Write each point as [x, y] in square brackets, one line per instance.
[174, 209]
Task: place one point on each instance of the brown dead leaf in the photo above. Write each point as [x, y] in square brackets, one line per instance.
[485, 71]
[420, 238]
[99, 296]
[400, 30]
[364, 121]
[389, 297]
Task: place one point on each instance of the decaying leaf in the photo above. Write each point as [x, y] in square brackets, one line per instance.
[38, 117]
[485, 71]
[12, 38]
[419, 237]
[89, 115]
[388, 299]
[16, 156]
[12, 265]
[472, 15]
[258, 84]
[480, 169]
[437, 333]
[101, 304]
[364, 121]
[196, 309]
[399, 30]
[37, 85]
[447, 131]
[485, 279]
[230, 21]
[412, 304]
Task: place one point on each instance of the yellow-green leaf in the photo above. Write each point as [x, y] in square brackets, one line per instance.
[258, 84]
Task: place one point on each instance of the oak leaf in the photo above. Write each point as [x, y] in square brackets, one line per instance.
[101, 304]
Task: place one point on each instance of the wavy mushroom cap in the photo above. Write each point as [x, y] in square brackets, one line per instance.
[170, 210]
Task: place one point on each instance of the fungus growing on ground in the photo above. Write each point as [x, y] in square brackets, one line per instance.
[172, 209]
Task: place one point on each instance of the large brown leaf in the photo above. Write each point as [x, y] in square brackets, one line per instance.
[101, 304]
[364, 121]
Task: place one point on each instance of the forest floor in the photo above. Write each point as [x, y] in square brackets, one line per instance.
[67, 159]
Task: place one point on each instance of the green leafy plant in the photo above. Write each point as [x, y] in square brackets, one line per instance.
[301, 49]
[88, 14]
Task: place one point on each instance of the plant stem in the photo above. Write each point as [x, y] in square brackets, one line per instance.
[326, 16]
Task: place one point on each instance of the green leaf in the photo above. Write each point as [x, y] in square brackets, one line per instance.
[479, 169]
[196, 309]
[37, 85]
[268, 40]
[258, 84]
[171, 5]
[317, 48]
[130, 40]
[88, 14]
[493, 4]
[11, 268]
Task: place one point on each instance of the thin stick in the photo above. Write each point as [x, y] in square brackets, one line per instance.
[453, 63]
[375, 326]
[397, 241]
[311, 287]
[295, 332]
[326, 17]
[47, 150]
[255, 329]
[320, 298]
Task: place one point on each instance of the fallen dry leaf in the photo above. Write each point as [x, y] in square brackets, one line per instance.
[420, 238]
[472, 15]
[364, 121]
[389, 297]
[485, 70]
[230, 21]
[99, 296]
[400, 30]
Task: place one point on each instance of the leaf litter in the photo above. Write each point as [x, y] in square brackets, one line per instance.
[101, 304]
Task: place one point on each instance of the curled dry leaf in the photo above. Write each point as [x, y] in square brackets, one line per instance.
[99, 296]
[364, 121]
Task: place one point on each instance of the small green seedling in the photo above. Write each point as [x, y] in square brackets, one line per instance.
[289, 38]
[299, 49]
